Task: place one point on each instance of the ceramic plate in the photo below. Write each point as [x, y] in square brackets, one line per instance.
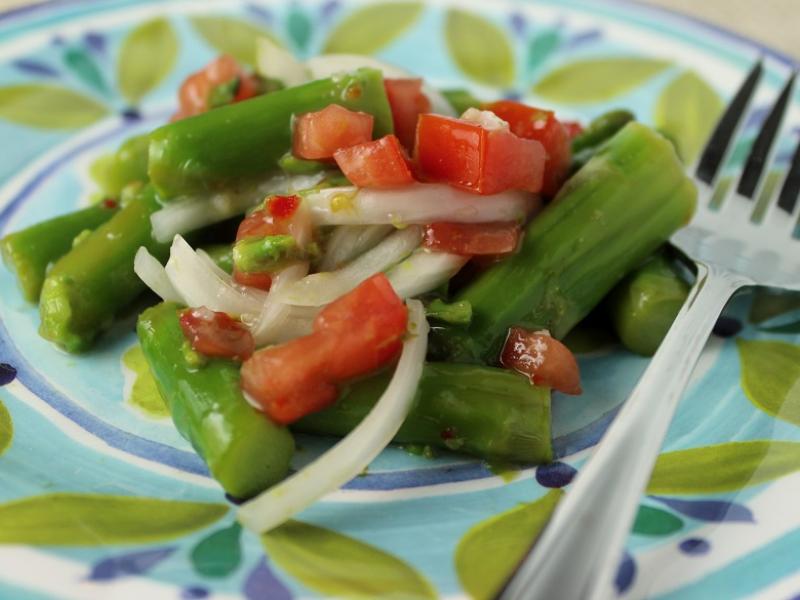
[101, 498]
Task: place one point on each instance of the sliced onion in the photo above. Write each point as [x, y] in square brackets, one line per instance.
[202, 283]
[349, 241]
[152, 272]
[322, 288]
[419, 203]
[424, 271]
[275, 313]
[275, 62]
[190, 213]
[352, 454]
[327, 65]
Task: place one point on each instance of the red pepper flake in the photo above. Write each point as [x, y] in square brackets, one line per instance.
[110, 203]
[448, 433]
[283, 207]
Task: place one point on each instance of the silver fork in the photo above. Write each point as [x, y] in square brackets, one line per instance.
[577, 554]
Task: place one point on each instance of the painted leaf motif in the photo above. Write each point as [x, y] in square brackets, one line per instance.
[34, 67]
[219, 554]
[6, 428]
[771, 377]
[479, 48]
[143, 393]
[299, 26]
[48, 106]
[146, 57]
[723, 467]
[490, 550]
[768, 304]
[369, 29]
[261, 583]
[788, 328]
[626, 573]
[133, 563]
[714, 511]
[71, 519]
[654, 521]
[597, 79]
[84, 67]
[541, 47]
[231, 36]
[686, 111]
[336, 565]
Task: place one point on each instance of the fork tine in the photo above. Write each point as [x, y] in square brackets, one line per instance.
[758, 159]
[711, 160]
[787, 200]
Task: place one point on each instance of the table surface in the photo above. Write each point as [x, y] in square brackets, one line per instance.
[772, 22]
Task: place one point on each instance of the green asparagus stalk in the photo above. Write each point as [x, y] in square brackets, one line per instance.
[645, 303]
[112, 172]
[461, 100]
[227, 146]
[601, 129]
[490, 413]
[222, 255]
[30, 251]
[244, 450]
[606, 220]
[95, 280]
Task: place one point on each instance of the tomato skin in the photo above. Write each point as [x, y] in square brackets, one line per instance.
[466, 155]
[216, 334]
[378, 164]
[317, 135]
[352, 336]
[407, 102]
[261, 281]
[574, 129]
[543, 126]
[194, 94]
[273, 219]
[472, 239]
[543, 359]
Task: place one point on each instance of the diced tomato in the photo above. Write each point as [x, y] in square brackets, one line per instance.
[408, 102]
[574, 128]
[273, 219]
[317, 135]
[195, 93]
[261, 281]
[543, 359]
[466, 155]
[540, 125]
[216, 334]
[283, 207]
[379, 164]
[354, 335]
[472, 239]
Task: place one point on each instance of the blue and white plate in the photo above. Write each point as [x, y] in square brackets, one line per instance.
[101, 498]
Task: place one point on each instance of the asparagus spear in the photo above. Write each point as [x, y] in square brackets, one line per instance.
[461, 99]
[601, 128]
[606, 220]
[30, 251]
[490, 413]
[645, 303]
[93, 282]
[244, 141]
[244, 450]
[112, 172]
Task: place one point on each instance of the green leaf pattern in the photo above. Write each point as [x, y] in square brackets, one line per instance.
[48, 106]
[6, 428]
[373, 27]
[146, 57]
[771, 377]
[228, 35]
[479, 48]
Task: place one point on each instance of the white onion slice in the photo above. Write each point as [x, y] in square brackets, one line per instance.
[327, 65]
[419, 203]
[322, 288]
[349, 241]
[274, 313]
[424, 271]
[202, 283]
[352, 454]
[275, 62]
[190, 213]
[152, 273]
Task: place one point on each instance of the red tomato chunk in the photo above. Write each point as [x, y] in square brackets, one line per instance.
[574, 129]
[195, 93]
[261, 281]
[472, 239]
[216, 334]
[408, 102]
[543, 359]
[352, 336]
[466, 155]
[379, 164]
[540, 125]
[317, 135]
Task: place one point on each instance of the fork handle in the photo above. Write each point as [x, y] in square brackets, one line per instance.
[577, 554]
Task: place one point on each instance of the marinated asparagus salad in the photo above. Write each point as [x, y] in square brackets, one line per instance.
[343, 249]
